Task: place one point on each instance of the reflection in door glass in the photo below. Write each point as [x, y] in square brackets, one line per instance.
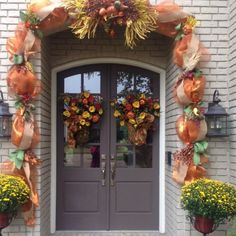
[124, 156]
[121, 133]
[91, 157]
[143, 85]
[125, 83]
[143, 156]
[72, 157]
[92, 82]
[72, 84]
[135, 83]
[83, 157]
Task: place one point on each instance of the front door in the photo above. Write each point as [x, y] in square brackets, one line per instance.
[107, 184]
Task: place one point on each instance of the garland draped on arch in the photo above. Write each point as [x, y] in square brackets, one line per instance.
[139, 18]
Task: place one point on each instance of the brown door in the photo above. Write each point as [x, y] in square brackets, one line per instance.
[107, 184]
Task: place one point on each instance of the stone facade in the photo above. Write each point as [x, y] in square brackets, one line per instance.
[217, 19]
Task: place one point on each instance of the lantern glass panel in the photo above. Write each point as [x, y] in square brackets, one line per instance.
[217, 125]
[5, 124]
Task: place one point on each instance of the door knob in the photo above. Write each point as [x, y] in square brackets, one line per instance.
[103, 169]
[113, 170]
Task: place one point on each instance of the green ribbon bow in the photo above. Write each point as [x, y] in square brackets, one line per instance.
[17, 157]
[199, 149]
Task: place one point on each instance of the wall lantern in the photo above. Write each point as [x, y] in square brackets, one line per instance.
[217, 118]
[5, 119]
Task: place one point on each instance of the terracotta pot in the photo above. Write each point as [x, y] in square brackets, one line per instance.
[203, 224]
[5, 219]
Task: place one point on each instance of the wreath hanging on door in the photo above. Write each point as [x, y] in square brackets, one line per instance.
[80, 113]
[138, 112]
[139, 18]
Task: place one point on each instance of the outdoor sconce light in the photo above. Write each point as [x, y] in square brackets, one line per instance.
[5, 119]
[216, 118]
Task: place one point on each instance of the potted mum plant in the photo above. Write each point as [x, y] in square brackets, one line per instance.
[209, 203]
[14, 192]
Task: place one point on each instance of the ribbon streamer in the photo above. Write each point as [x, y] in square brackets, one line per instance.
[24, 43]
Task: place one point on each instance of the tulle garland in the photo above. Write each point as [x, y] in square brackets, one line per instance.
[48, 16]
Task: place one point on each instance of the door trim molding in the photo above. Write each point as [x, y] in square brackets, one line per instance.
[107, 60]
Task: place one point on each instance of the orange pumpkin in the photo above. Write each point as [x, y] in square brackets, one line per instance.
[189, 90]
[190, 131]
[25, 134]
[22, 81]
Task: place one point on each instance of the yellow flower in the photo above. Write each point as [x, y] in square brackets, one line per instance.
[86, 94]
[124, 102]
[116, 113]
[66, 113]
[136, 104]
[85, 114]
[122, 123]
[87, 123]
[100, 112]
[156, 106]
[132, 121]
[142, 95]
[82, 121]
[142, 115]
[92, 109]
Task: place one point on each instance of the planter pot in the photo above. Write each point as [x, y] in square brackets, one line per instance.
[5, 220]
[203, 224]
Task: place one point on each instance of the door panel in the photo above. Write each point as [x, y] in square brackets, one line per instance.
[81, 197]
[136, 179]
[107, 184]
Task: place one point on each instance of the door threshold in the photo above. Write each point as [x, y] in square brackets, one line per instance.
[108, 233]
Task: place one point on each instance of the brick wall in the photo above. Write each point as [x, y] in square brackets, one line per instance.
[232, 89]
[213, 33]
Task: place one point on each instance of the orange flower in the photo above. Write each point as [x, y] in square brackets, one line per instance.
[156, 106]
[130, 115]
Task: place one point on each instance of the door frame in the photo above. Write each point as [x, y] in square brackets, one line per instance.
[108, 60]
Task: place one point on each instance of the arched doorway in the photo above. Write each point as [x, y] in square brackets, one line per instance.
[126, 199]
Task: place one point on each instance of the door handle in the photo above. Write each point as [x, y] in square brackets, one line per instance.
[103, 169]
[113, 170]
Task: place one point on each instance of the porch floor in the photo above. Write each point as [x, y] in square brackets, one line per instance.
[108, 233]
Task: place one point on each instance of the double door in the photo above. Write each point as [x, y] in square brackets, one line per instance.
[108, 183]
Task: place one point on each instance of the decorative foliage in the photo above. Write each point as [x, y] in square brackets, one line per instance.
[137, 16]
[186, 27]
[14, 193]
[134, 108]
[79, 114]
[210, 198]
[138, 112]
